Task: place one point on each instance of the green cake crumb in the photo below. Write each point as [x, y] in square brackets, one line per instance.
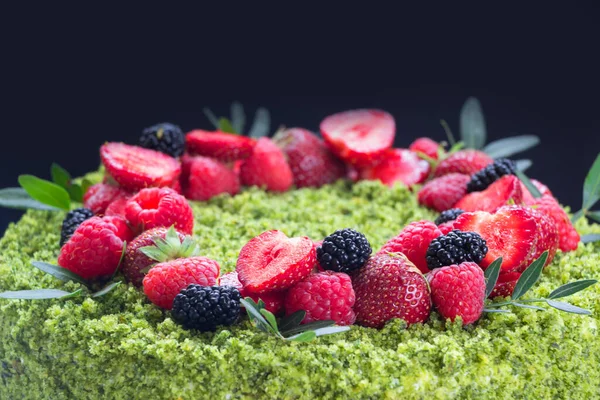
[122, 347]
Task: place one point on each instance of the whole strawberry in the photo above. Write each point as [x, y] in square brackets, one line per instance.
[324, 296]
[220, 145]
[413, 242]
[426, 146]
[444, 192]
[154, 207]
[204, 178]
[165, 280]
[568, 236]
[463, 162]
[95, 248]
[311, 162]
[388, 287]
[458, 291]
[99, 196]
[274, 301]
[397, 165]
[267, 168]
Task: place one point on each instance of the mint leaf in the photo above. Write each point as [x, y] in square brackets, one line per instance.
[45, 192]
[238, 117]
[307, 336]
[530, 276]
[472, 124]
[39, 294]
[559, 305]
[106, 289]
[58, 272]
[530, 186]
[571, 288]
[75, 193]
[292, 321]
[85, 185]
[211, 117]
[491, 275]
[225, 126]
[591, 185]
[19, 199]
[331, 330]
[270, 319]
[523, 165]
[590, 238]
[511, 145]
[261, 125]
[595, 215]
[60, 176]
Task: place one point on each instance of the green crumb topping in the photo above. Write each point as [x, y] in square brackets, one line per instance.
[122, 347]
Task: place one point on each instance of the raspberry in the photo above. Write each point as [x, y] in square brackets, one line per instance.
[448, 215]
[413, 242]
[73, 219]
[444, 192]
[458, 291]
[426, 146]
[155, 207]
[464, 162]
[455, 248]
[204, 308]
[484, 178]
[345, 250]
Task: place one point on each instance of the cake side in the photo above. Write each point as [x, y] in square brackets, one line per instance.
[122, 346]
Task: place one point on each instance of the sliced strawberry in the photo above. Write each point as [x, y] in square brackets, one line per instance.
[528, 197]
[220, 145]
[510, 233]
[267, 167]
[99, 196]
[502, 192]
[274, 301]
[272, 261]
[359, 137]
[136, 168]
[204, 178]
[398, 165]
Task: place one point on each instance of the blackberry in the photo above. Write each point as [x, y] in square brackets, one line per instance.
[454, 248]
[448, 215]
[345, 250]
[165, 137]
[72, 221]
[204, 308]
[484, 178]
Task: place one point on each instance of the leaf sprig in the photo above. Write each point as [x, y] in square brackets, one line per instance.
[289, 328]
[260, 126]
[591, 193]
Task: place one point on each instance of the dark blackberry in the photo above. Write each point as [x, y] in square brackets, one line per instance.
[484, 178]
[454, 248]
[204, 308]
[73, 219]
[165, 137]
[448, 215]
[345, 250]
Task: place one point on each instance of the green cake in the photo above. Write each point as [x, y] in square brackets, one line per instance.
[122, 347]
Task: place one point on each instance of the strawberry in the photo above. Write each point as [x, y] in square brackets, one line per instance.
[165, 280]
[444, 192]
[135, 168]
[390, 286]
[95, 248]
[413, 242]
[458, 291]
[274, 301]
[510, 233]
[272, 261]
[220, 145]
[204, 178]
[504, 191]
[267, 167]
[426, 146]
[528, 197]
[567, 235]
[359, 137]
[505, 285]
[397, 165]
[154, 207]
[99, 196]
[311, 162]
[463, 162]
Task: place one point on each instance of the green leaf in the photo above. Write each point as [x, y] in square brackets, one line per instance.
[255, 315]
[85, 185]
[225, 126]
[523, 165]
[123, 252]
[331, 330]
[530, 276]
[559, 305]
[59, 272]
[45, 192]
[595, 215]
[238, 117]
[511, 145]
[591, 185]
[528, 306]
[578, 215]
[60, 176]
[307, 336]
[270, 318]
[449, 134]
[571, 288]
[472, 124]
[153, 253]
[261, 125]
[211, 117]
[38, 294]
[19, 199]
[590, 238]
[291, 321]
[106, 289]
[530, 186]
[456, 147]
[309, 326]
[75, 193]
[491, 275]
[495, 310]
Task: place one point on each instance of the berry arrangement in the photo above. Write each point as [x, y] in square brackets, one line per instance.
[496, 230]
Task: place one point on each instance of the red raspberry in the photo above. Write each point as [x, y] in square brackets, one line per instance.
[155, 207]
[413, 242]
[463, 162]
[567, 235]
[446, 227]
[426, 146]
[165, 280]
[274, 301]
[458, 291]
[95, 248]
[204, 178]
[444, 192]
[324, 296]
[99, 196]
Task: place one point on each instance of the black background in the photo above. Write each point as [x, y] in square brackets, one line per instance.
[74, 79]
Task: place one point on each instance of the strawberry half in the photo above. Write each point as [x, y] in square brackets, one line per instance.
[510, 233]
[498, 194]
[272, 261]
[220, 145]
[398, 165]
[204, 178]
[359, 137]
[136, 168]
[267, 168]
